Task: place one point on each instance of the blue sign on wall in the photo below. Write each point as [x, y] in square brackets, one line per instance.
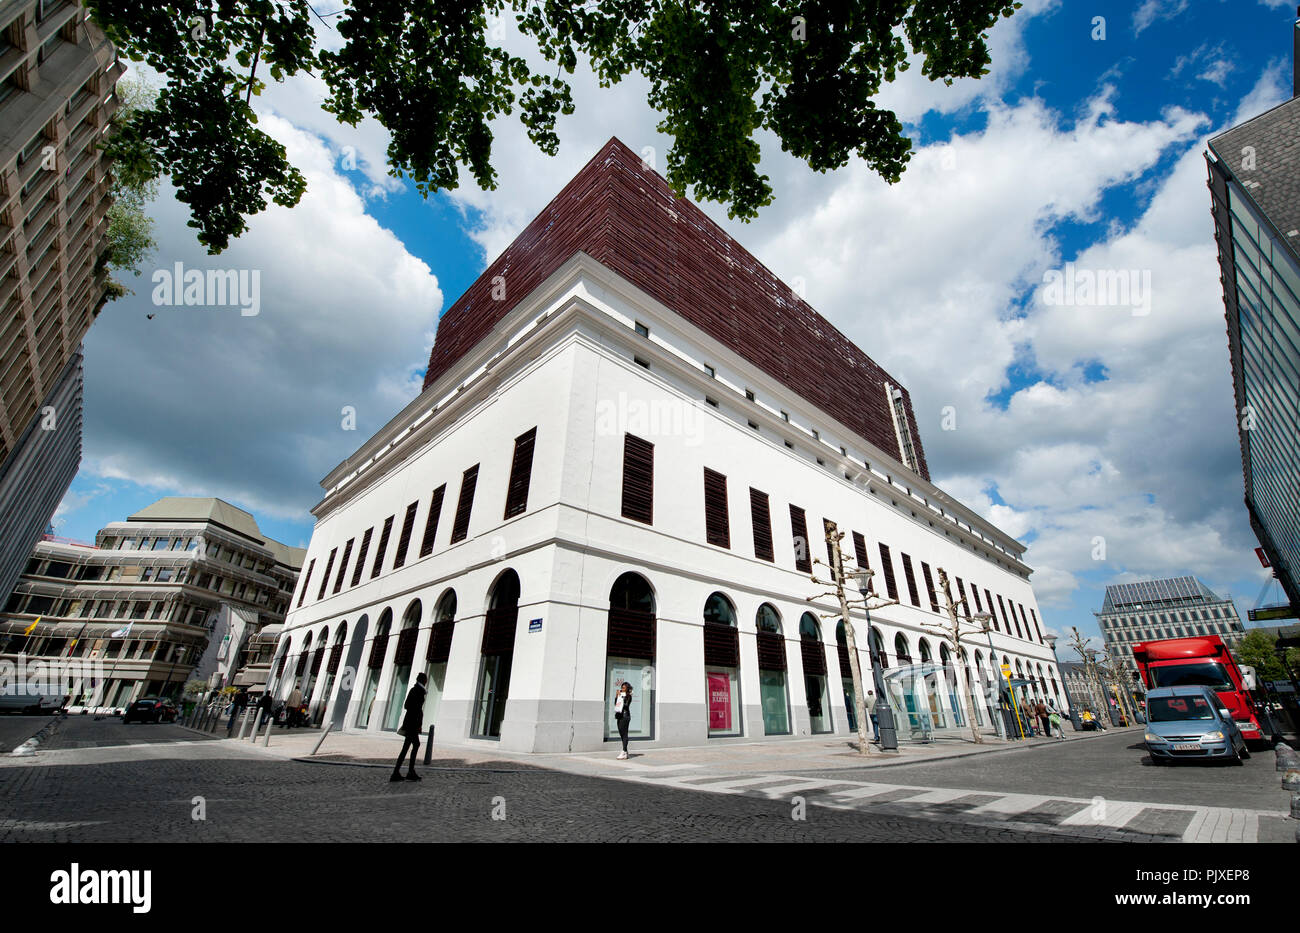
[535, 625]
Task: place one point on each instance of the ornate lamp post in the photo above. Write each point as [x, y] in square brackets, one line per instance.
[1069, 697]
[886, 728]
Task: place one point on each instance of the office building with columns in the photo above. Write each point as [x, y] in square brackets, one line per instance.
[630, 445]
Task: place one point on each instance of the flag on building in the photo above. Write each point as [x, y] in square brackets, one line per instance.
[28, 630]
[122, 632]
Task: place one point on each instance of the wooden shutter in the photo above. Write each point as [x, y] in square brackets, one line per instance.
[440, 642]
[761, 515]
[860, 552]
[325, 577]
[1008, 621]
[929, 586]
[799, 533]
[911, 579]
[631, 634]
[975, 591]
[499, 630]
[431, 522]
[521, 471]
[316, 659]
[378, 648]
[405, 653]
[771, 651]
[721, 645]
[638, 479]
[887, 565]
[1036, 627]
[404, 539]
[343, 565]
[383, 546]
[846, 668]
[306, 581]
[814, 657]
[988, 598]
[301, 665]
[279, 668]
[717, 525]
[361, 556]
[460, 527]
[336, 655]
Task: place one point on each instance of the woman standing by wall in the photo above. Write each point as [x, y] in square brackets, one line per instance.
[623, 713]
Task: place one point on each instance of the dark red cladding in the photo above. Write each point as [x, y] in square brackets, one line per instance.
[626, 217]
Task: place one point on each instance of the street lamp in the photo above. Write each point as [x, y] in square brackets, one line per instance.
[886, 729]
[999, 717]
[1069, 697]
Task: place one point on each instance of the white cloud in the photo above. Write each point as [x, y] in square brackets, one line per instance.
[1152, 10]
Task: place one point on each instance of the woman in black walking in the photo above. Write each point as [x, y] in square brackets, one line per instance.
[623, 713]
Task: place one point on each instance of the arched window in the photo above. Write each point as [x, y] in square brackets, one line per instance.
[846, 675]
[722, 666]
[773, 695]
[924, 648]
[439, 650]
[630, 653]
[301, 680]
[497, 653]
[374, 665]
[878, 648]
[814, 674]
[901, 650]
[403, 660]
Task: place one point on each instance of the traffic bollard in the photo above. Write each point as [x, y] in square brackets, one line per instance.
[243, 726]
[321, 740]
[270, 724]
[428, 749]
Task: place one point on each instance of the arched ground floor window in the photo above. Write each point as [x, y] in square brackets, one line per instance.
[630, 654]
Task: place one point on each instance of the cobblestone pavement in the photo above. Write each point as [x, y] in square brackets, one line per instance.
[87, 785]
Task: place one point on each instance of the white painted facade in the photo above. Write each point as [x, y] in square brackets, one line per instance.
[564, 361]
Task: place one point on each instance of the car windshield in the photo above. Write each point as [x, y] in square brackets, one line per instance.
[1177, 709]
[1200, 674]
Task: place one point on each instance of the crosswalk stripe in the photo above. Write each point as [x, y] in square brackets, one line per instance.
[1009, 804]
[1114, 815]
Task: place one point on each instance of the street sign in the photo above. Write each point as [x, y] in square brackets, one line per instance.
[1006, 671]
[1270, 612]
[534, 625]
[1263, 558]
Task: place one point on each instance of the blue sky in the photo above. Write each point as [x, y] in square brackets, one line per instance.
[1075, 424]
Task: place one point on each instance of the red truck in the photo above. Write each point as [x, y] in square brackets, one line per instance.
[1202, 661]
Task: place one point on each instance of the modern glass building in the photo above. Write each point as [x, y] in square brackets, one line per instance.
[1254, 181]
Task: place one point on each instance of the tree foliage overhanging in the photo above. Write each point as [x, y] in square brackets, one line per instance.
[433, 73]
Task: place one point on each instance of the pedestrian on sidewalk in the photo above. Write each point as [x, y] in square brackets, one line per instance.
[1041, 710]
[265, 709]
[412, 726]
[623, 713]
[237, 706]
[291, 711]
[1054, 720]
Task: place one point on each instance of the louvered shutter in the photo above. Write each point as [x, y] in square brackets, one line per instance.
[717, 525]
[378, 647]
[631, 634]
[799, 533]
[814, 658]
[343, 565]
[499, 630]
[405, 653]
[771, 651]
[521, 471]
[383, 546]
[404, 539]
[721, 645]
[468, 482]
[361, 556]
[336, 654]
[431, 522]
[638, 479]
[440, 642]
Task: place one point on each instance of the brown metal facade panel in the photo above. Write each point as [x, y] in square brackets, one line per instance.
[431, 520]
[499, 630]
[378, 648]
[336, 655]
[316, 660]
[468, 483]
[343, 565]
[929, 586]
[325, 577]
[383, 546]
[638, 479]
[887, 564]
[911, 579]
[521, 472]
[405, 653]
[625, 216]
[799, 537]
[306, 582]
[440, 642]
[404, 539]
[721, 645]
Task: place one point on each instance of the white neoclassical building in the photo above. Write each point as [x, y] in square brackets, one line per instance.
[631, 439]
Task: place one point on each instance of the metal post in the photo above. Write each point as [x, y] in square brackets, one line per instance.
[243, 726]
[428, 749]
[328, 727]
[270, 723]
[886, 728]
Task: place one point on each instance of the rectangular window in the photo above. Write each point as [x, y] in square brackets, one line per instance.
[929, 586]
[306, 581]
[717, 524]
[431, 523]
[1034, 616]
[521, 471]
[361, 556]
[404, 539]
[799, 533]
[382, 547]
[638, 479]
[887, 566]
[343, 565]
[988, 598]
[975, 591]
[325, 577]
[761, 515]
[468, 482]
[911, 579]
[860, 552]
[961, 598]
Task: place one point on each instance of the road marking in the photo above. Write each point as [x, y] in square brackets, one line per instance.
[1008, 804]
[1114, 815]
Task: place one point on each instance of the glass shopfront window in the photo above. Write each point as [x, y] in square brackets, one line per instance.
[444, 620]
[630, 654]
[374, 666]
[773, 695]
[814, 675]
[403, 660]
[722, 667]
[723, 684]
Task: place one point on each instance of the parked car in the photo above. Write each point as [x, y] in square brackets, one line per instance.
[1191, 722]
[151, 709]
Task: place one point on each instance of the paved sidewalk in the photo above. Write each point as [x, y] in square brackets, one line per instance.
[823, 753]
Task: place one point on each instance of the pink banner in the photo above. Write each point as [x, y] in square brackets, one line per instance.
[719, 686]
